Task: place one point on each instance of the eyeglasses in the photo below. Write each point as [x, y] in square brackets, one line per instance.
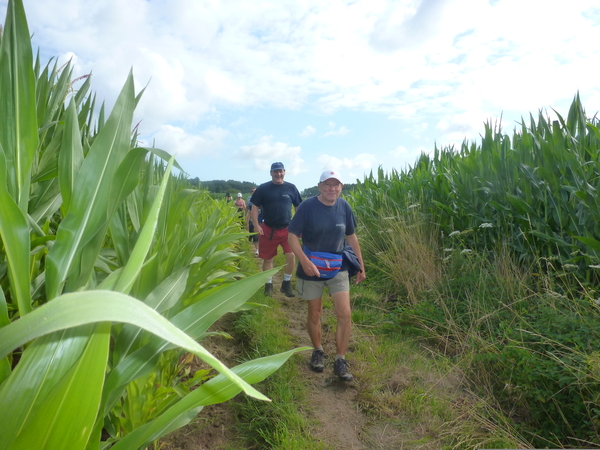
[332, 185]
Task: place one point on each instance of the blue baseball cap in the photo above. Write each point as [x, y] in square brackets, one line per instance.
[277, 166]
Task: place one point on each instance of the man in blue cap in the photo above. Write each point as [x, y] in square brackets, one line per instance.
[275, 199]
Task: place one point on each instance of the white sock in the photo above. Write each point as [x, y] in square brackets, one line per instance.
[270, 280]
[287, 277]
[340, 357]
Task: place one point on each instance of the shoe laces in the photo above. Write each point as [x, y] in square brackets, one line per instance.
[343, 365]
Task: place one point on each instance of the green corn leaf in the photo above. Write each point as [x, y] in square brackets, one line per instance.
[165, 156]
[70, 157]
[18, 112]
[119, 234]
[590, 242]
[83, 90]
[71, 310]
[45, 362]
[4, 320]
[90, 201]
[46, 200]
[138, 255]
[194, 321]
[65, 418]
[163, 297]
[216, 390]
[127, 175]
[15, 237]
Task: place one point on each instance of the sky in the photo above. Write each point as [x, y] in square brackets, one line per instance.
[351, 85]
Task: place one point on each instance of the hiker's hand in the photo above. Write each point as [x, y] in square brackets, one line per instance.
[260, 230]
[310, 269]
[360, 277]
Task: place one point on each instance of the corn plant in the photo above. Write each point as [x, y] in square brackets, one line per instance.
[534, 192]
[110, 268]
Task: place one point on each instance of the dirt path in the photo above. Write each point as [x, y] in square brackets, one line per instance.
[330, 402]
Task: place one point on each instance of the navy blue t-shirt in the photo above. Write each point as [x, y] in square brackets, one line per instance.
[323, 228]
[275, 202]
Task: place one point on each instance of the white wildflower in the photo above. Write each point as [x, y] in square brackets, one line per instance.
[594, 266]
[447, 258]
[448, 249]
[597, 302]
[466, 250]
[454, 233]
[486, 225]
[416, 205]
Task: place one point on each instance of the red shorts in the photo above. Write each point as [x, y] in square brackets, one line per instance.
[270, 240]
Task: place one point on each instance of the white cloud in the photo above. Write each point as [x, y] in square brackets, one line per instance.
[178, 142]
[398, 152]
[308, 131]
[441, 67]
[341, 131]
[266, 151]
[362, 161]
[376, 55]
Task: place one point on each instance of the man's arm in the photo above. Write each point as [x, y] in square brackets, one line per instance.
[254, 214]
[352, 239]
[309, 268]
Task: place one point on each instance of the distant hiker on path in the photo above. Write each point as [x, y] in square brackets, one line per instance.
[240, 203]
[275, 199]
[326, 223]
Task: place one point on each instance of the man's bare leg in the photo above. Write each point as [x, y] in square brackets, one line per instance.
[289, 263]
[313, 322]
[267, 264]
[341, 302]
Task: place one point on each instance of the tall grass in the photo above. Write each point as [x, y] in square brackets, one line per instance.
[405, 247]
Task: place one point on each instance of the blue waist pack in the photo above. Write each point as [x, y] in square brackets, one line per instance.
[329, 264]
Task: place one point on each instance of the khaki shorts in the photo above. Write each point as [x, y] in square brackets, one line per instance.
[311, 290]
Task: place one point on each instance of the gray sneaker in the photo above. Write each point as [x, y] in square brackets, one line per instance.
[269, 289]
[340, 368]
[286, 288]
[316, 361]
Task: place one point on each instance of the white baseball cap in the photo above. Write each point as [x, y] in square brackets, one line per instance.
[327, 174]
[239, 194]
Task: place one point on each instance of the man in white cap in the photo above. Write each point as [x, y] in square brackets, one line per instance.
[326, 223]
[275, 199]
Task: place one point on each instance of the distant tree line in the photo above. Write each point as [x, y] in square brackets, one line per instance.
[233, 187]
[223, 187]
[312, 191]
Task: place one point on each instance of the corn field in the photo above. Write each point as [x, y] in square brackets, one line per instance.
[536, 193]
[111, 269]
[492, 251]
